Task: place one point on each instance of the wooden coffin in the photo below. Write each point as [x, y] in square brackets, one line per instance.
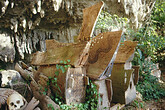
[123, 81]
[122, 84]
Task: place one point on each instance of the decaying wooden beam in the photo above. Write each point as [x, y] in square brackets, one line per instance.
[32, 104]
[90, 16]
[86, 80]
[24, 66]
[109, 89]
[75, 87]
[25, 74]
[136, 74]
[44, 100]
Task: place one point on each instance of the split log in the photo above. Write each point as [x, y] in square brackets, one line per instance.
[32, 104]
[25, 74]
[44, 100]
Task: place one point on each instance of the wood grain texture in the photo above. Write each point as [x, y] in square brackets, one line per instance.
[75, 86]
[89, 19]
[126, 49]
[56, 52]
[102, 49]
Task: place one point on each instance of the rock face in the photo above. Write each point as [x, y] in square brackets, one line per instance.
[30, 22]
[7, 51]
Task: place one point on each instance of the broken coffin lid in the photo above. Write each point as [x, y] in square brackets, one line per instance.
[102, 54]
[126, 50]
[57, 52]
[90, 16]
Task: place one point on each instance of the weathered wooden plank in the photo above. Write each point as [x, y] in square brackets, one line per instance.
[109, 88]
[75, 87]
[84, 56]
[90, 16]
[136, 74]
[49, 71]
[103, 99]
[126, 49]
[101, 52]
[57, 52]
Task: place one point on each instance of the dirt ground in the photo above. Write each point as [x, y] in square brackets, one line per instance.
[149, 105]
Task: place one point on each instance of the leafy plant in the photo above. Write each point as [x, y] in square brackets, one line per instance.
[91, 100]
[149, 87]
[51, 106]
[137, 104]
[107, 22]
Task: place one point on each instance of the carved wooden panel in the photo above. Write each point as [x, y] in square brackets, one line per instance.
[101, 52]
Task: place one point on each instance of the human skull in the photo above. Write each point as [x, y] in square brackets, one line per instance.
[9, 76]
[16, 102]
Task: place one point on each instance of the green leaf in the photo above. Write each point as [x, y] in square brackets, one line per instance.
[44, 93]
[68, 61]
[140, 53]
[62, 69]
[61, 61]
[65, 62]
[57, 73]
[58, 66]
[66, 66]
[55, 79]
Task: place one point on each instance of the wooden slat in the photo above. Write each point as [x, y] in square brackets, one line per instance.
[109, 89]
[136, 74]
[90, 16]
[75, 89]
[121, 81]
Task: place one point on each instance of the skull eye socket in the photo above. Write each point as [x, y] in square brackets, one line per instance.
[18, 101]
[11, 103]
[9, 78]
